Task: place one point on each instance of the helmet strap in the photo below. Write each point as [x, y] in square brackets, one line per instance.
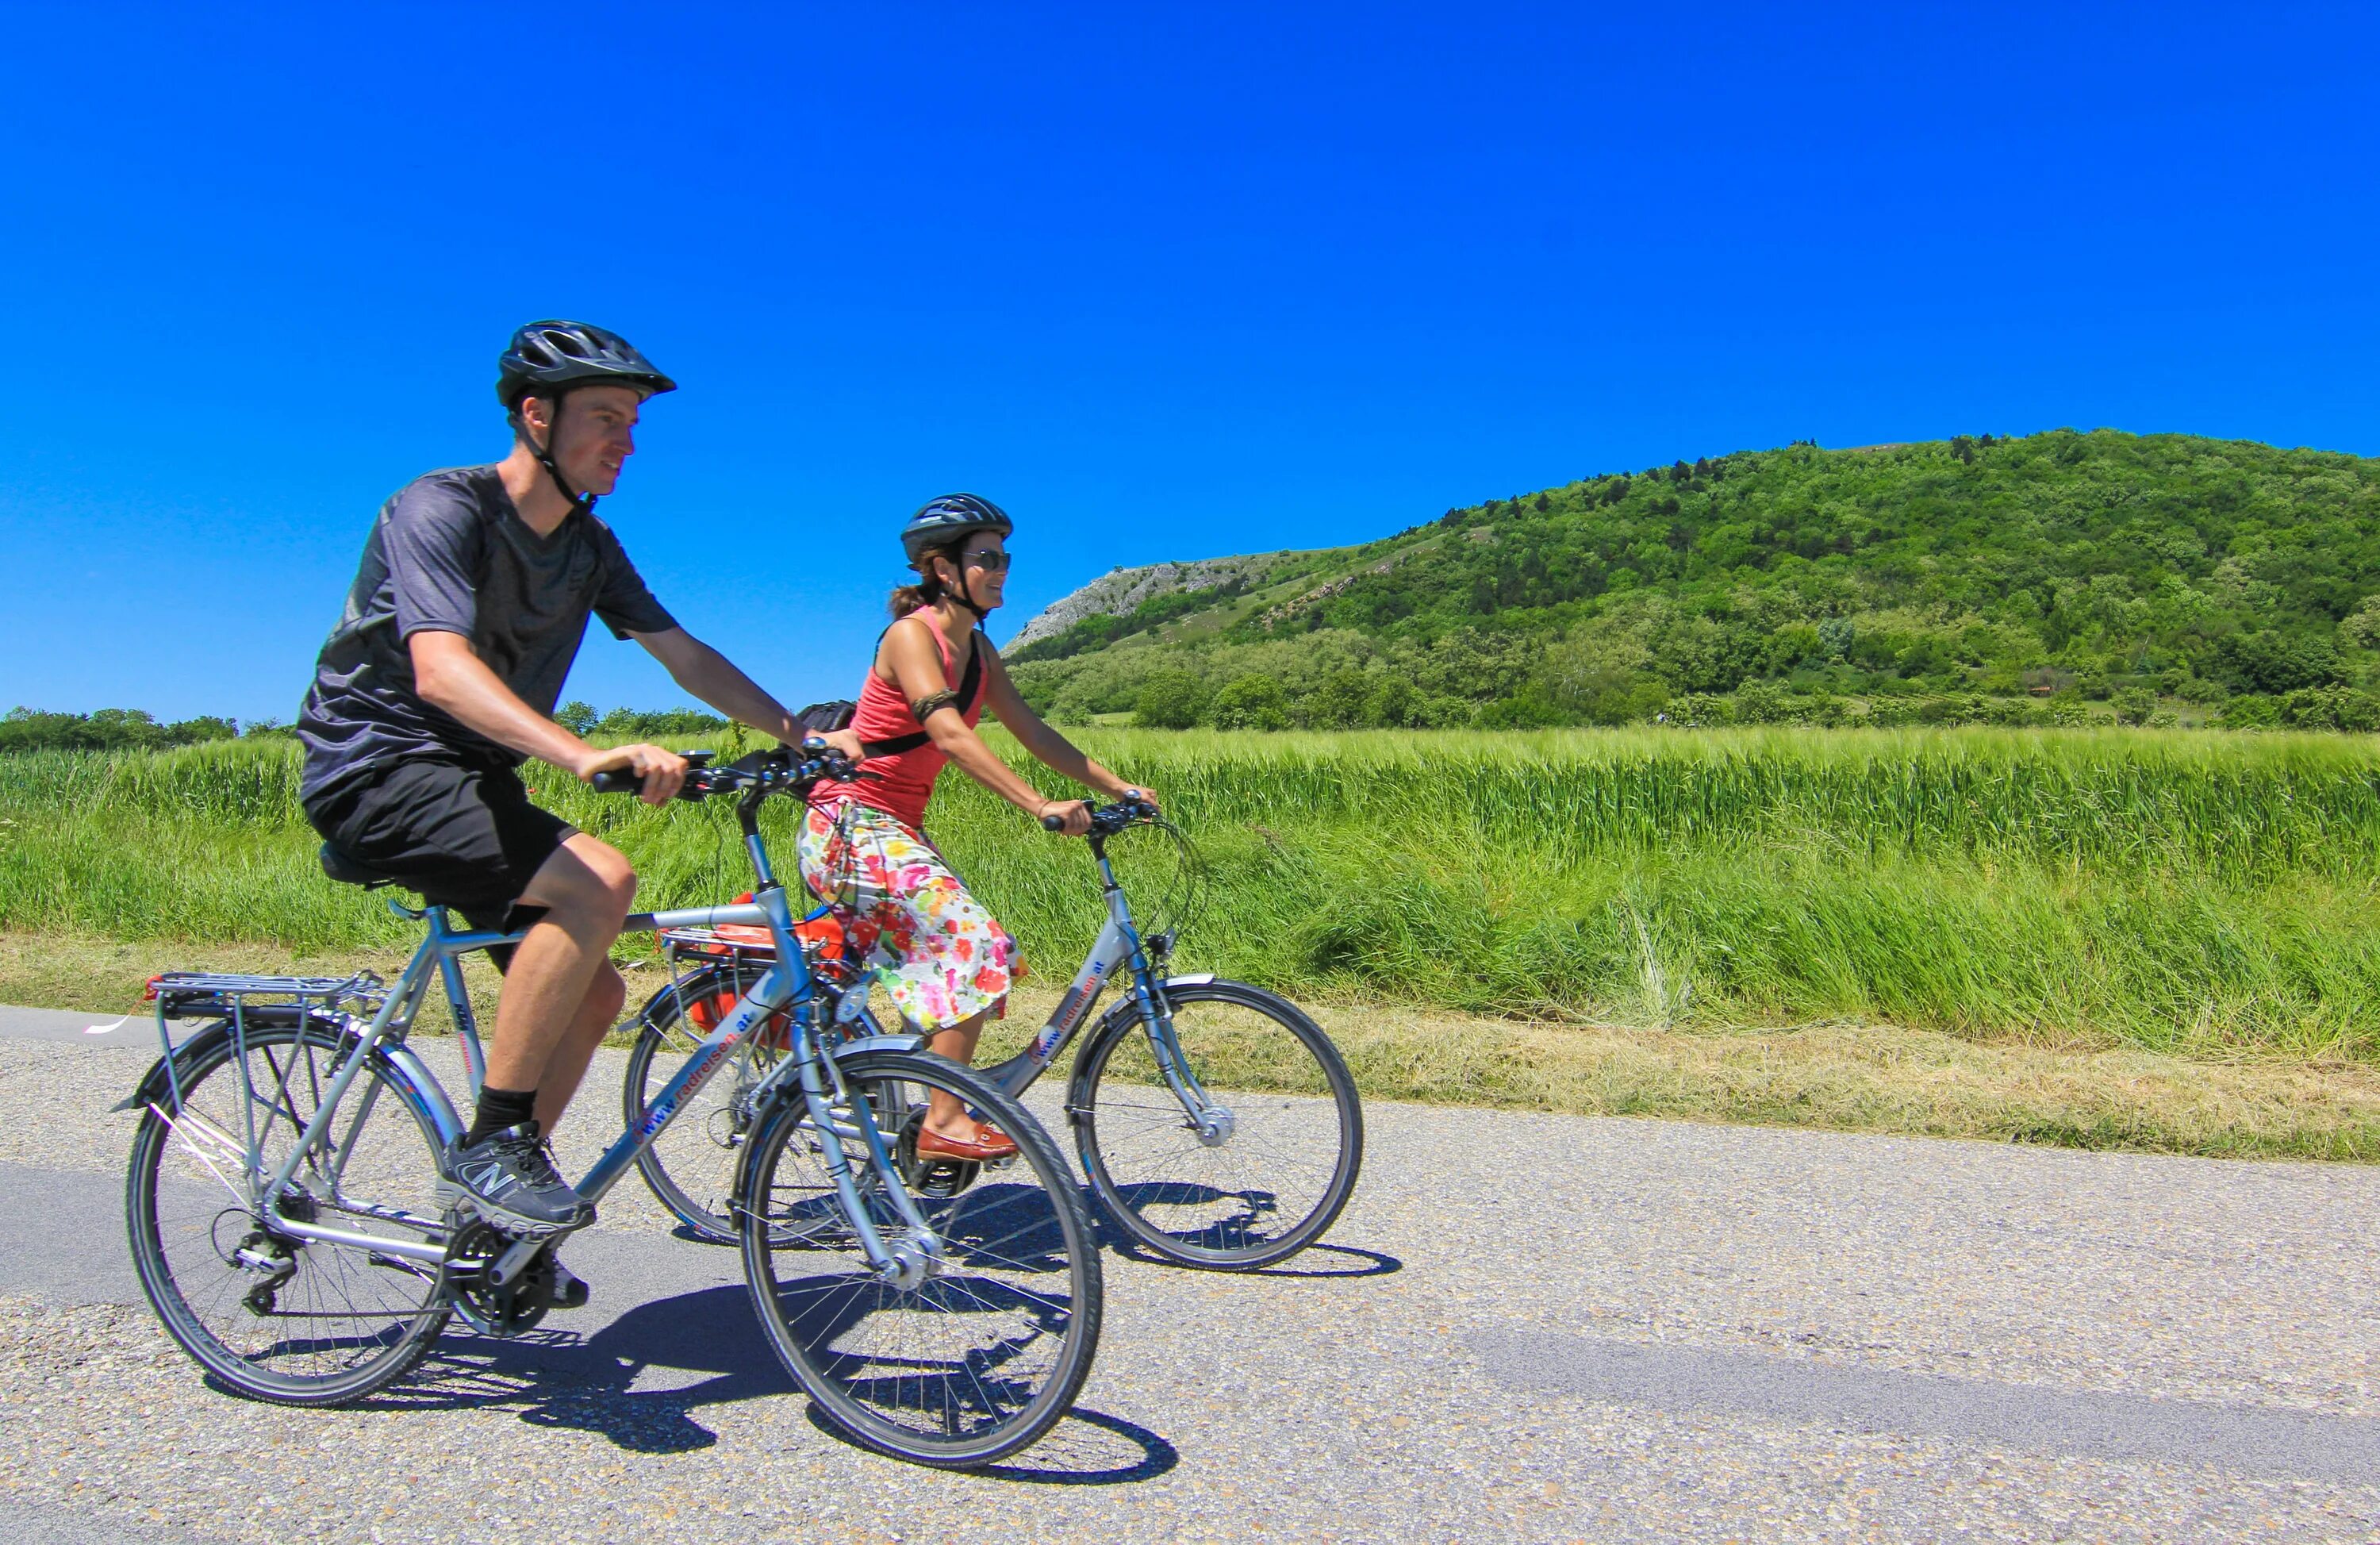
[582, 502]
[963, 592]
[964, 596]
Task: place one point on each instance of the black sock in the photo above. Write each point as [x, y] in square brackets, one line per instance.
[498, 1109]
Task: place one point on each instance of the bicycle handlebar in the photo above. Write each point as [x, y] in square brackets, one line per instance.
[1107, 820]
[766, 773]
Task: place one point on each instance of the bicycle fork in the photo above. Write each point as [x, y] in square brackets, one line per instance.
[835, 1116]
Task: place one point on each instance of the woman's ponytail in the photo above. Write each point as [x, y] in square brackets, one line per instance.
[906, 599]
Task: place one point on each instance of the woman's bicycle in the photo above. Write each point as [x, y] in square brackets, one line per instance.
[283, 1220]
[1218, 1125]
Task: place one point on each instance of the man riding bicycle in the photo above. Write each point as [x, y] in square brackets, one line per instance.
[441, 679]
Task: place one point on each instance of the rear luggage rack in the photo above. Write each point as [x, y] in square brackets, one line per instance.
[218, 995]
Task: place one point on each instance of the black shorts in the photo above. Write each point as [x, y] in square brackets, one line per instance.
[462, 834]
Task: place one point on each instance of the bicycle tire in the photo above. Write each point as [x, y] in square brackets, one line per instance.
[960, 1345]
[193, 1282]
[1265, 1191]
[691, 1164]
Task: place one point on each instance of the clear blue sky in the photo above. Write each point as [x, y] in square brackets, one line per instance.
[1166, 283]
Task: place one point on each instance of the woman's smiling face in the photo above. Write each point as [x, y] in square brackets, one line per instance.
[983, 568]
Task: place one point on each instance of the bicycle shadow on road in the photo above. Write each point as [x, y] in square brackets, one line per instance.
[706, 1348]
[1088, 1448]
[558, 1377]
[1352, 1260]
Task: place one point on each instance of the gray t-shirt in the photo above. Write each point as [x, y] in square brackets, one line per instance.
[451, 554]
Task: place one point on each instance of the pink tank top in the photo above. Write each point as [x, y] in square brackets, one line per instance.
[901, 782]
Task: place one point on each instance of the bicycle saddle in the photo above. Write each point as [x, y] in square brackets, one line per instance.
[349, 870]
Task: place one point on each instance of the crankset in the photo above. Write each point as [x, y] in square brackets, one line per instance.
[931, 1177]
[473, 1248]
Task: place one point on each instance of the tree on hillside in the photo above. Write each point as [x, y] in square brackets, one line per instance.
[1342, 701]
[1170, 701]
[1251, 702]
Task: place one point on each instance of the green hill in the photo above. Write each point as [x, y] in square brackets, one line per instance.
[2051, 577]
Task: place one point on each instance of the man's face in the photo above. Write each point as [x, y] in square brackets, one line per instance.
[593, 432]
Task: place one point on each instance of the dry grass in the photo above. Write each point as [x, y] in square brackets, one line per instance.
[1837, 1077]
[1848, 1078]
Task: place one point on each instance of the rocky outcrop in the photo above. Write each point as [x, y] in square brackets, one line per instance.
[1115, 593]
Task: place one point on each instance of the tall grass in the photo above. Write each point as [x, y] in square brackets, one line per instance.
[2205, 893]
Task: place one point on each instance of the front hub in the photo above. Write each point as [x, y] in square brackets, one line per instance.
[1214, 1125]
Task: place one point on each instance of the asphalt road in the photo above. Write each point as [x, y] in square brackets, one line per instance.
[1525, 1328]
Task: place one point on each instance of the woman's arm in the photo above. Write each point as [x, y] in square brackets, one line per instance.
[1033, 732]
[916, 670]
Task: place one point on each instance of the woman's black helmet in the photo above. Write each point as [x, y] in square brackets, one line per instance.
[941, 521]
[545, 355]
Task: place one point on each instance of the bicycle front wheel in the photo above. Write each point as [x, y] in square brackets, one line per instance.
[273, 1315]
[960, 1363]
[1274, 1162]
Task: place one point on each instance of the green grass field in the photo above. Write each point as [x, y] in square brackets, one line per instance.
[2203, 894]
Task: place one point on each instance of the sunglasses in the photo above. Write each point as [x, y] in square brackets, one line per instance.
[989, 560]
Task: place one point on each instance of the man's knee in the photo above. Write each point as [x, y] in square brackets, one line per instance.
[607, 994]
[586, 878]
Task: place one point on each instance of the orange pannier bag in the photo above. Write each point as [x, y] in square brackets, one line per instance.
[746, 943]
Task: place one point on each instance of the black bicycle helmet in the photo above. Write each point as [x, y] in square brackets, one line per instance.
[943, 521]
[547, 354]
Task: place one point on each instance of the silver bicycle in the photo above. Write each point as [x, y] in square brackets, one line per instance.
[281, 1195]
[1218, 1125]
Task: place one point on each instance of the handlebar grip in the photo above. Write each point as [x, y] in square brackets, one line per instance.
[1053, 823]
[616, 783]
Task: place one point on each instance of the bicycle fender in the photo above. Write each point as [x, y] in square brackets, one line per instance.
[413, 1078]
[156, 1084]
[880, 1043]
[426, 1092]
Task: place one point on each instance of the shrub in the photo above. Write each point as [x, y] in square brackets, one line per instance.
[1342, 701]
[2249, 713]
[1700, 711]
[2273, 662]
[1529, 710]
[1396, 704]
[1250, 702]
[2135, 704]
[1170, 700]
[2333, 708]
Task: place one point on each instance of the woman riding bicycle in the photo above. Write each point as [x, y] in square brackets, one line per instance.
[943, 960]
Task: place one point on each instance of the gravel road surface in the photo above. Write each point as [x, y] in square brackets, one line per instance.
[1529, 1327]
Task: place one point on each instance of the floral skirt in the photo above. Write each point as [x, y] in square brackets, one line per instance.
[939, 957]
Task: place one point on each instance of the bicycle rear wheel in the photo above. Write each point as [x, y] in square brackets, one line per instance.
[276, 1317]
[691, 1164]
[987, 1351]
[1251, 1191]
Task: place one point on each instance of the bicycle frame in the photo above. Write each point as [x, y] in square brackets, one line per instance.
[1118, 947]
[787, 982]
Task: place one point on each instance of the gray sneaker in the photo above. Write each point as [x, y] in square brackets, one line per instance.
[509, 1180]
